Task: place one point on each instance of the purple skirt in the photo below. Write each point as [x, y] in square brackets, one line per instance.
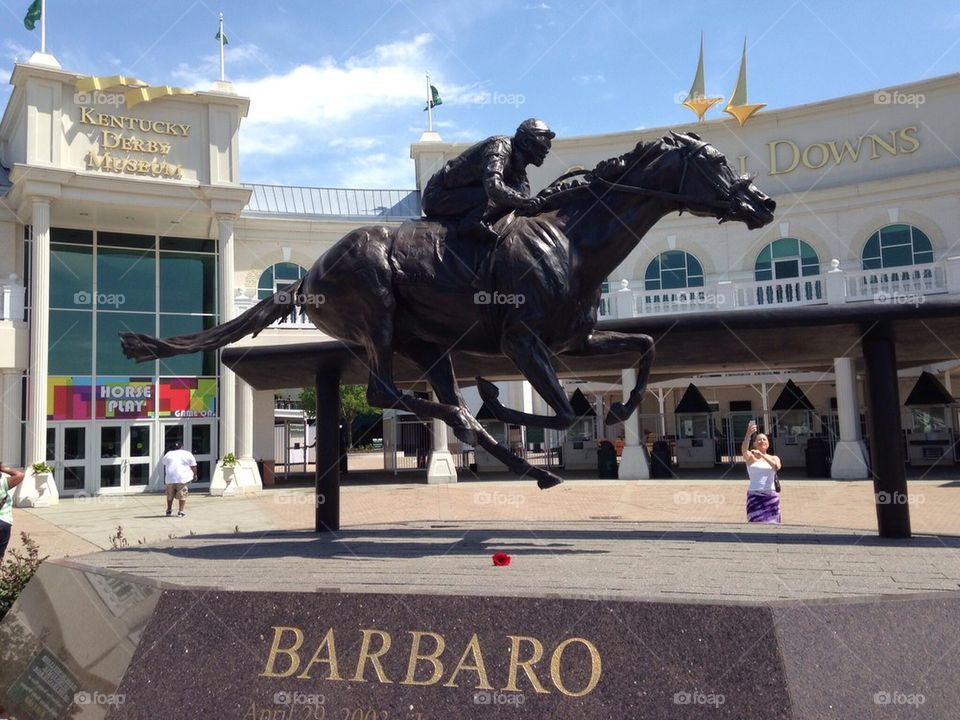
[763, 507]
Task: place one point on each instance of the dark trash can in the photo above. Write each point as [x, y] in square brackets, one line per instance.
[607, 461]
[267, 475]
[816, 458]
[661, 460]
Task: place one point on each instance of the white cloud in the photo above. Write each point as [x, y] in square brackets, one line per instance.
[354, 143]
[378, 170]
[201, 74]
[15, 52]
[323, 101]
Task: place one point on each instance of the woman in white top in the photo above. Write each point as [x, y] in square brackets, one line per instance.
[763, 497]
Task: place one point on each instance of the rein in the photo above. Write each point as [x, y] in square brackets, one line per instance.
[728, 205]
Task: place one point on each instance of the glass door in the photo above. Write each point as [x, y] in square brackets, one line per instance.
[123, 456]
[197, 436]
[67, 453]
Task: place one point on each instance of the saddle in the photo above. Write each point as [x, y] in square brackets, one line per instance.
[438, 253]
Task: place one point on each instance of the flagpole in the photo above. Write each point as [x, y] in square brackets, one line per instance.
[429, 106]
[222, 77]
[43, 26]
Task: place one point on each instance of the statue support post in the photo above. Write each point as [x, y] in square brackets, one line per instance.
[886, 437]
[328, 451]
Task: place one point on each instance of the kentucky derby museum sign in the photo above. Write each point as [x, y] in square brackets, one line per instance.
[120, 136]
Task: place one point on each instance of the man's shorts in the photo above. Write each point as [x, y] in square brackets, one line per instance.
[176, 490]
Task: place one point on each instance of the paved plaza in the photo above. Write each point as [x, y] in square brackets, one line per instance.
[681, 538]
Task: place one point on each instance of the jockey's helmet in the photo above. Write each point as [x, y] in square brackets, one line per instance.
[533, 137]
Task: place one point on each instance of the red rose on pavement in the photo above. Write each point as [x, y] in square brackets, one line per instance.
[501, 558]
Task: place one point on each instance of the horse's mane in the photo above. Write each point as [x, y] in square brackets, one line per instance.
[614, 168]
[611, 169]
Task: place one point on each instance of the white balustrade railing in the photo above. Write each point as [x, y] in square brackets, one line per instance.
[658, 302]
[796, 291]
[892, 285]
[296, 319]
[896, 284]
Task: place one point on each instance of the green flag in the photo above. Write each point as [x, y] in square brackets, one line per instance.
[217, 37]
[434, 99]
[33, 14]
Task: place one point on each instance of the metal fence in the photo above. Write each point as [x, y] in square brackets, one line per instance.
[338, 202]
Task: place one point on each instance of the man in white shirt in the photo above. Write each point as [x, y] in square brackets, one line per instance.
[179, 468]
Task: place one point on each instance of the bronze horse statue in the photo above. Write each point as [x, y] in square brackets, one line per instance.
[413, 289]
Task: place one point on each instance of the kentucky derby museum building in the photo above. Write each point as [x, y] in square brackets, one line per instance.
[121, 208]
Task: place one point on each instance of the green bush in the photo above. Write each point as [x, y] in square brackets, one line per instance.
[16, 572]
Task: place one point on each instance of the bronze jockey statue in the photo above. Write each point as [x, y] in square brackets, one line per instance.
[488, 180]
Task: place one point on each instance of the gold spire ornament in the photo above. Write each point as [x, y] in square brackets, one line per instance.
[737, 105]
[697, 99]
[134, 91]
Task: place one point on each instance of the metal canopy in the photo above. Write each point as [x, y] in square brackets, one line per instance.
[778, 338]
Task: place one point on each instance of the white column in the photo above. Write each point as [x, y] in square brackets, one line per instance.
[441, 468]
[662, 407]
[765, 402]
[850, 454]
[32, 492]
[10, 438]
[228, 380]
[634, 464]
[390, 440]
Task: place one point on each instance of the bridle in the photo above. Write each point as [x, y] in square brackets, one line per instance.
[726, 208]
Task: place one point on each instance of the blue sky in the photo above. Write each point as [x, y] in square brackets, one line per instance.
[337, 88]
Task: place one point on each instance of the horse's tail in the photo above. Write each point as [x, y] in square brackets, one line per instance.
[141, 347]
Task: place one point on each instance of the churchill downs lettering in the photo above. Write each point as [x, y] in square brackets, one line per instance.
[113, 137]
[785, 156]
[429, 661]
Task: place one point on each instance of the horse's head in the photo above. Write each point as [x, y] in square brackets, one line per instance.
[692, 173]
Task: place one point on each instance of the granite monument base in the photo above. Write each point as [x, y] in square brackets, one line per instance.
[87, 641]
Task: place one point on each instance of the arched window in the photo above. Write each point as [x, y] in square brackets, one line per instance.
[896, 246]
[673, 269]
[276, 277]
[784, 259]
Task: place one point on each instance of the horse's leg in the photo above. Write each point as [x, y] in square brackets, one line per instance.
[382, 391]
[614, 343]
[532, 358]
[436, 363]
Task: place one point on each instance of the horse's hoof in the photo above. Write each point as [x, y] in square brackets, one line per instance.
[487, 390]
[548, 480]
[618, 413]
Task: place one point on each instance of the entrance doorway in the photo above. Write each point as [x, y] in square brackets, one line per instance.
[197, 436]
[123, 453]
[67, 452]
